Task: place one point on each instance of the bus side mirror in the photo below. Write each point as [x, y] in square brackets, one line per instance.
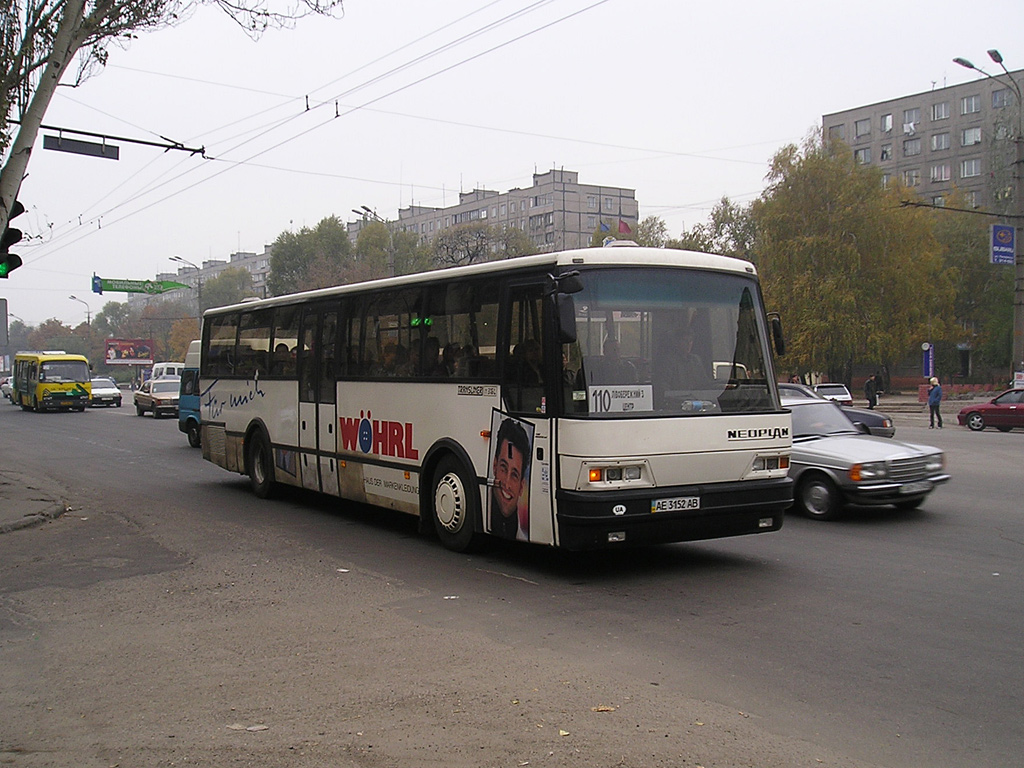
[777, 338]
[565, 311]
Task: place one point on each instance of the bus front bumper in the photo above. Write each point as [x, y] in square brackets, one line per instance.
[597, 521]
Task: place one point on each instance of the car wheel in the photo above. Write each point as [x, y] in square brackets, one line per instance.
[975, 422]
[910, 503]
[193, 434]
[454, 505]
[260, 465]
[818, 498]
[139, 410]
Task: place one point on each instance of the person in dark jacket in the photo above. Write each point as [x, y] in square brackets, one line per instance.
[871, 391]
[934, 399]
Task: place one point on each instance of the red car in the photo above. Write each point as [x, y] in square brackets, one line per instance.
[1003, 412]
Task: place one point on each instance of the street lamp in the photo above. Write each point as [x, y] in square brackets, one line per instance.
[368, 212]
[199, 281]
[1018, 203]
[88, 312]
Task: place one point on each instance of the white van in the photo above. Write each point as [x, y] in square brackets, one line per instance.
[166, 369]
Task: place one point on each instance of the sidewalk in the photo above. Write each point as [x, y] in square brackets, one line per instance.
[26, 501]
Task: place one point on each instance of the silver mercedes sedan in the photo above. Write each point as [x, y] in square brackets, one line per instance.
[834, 465]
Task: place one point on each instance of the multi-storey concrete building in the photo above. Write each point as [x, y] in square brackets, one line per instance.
[557, 212]
[256, 264]
[957, 136]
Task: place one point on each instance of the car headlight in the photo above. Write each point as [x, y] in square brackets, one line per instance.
[935, 462]
[872, 470]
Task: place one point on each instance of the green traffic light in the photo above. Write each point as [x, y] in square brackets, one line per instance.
[10, 263]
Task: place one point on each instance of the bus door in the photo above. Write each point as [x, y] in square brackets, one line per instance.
[318, 418]
[528, 374]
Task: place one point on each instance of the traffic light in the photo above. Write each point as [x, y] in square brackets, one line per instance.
[10, 261]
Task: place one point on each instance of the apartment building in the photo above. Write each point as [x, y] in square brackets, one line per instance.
[956, 136]
[195, 276]
[556, 212]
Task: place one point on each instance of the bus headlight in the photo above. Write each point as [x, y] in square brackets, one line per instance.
[770, 463]
[616, 474]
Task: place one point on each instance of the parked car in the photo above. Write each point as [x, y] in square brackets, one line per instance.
[159, 396]
[105, 392]
[876, 422]
[837, 392]
[833, 464]
[1004, 412]
[5, 387]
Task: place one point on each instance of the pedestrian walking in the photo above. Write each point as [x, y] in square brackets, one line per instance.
[934, 399]
[871, 391]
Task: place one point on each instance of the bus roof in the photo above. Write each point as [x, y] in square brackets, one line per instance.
[607, 256]
[50, 353]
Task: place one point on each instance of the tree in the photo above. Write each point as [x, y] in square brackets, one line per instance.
[53, 334]
[111, 320]
[730, 231]
[182, 332]
[983, 292]
[857, 276]
[652, 232]
[310, 258]
[229, 287]
[476, 242]
[39, 39]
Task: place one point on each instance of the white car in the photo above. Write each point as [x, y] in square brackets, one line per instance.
[837, 392]
[105, 392]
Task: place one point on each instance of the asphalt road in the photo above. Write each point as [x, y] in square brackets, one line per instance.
[170, 612]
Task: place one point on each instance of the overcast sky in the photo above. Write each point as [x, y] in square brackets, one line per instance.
[411, 101]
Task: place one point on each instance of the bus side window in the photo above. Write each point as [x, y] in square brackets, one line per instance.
[525, 366]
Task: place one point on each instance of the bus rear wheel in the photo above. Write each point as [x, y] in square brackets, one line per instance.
[260, 465]
[454, 505]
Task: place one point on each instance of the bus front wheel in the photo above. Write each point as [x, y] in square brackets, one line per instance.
[193, 434]
[260, 465]
[454, 505]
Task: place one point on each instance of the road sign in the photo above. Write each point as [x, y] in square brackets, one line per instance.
[78, 147]
[1003, 244]
[152, 287]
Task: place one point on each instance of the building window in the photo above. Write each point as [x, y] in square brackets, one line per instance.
[911, 147]
[837, 133]
[911, 117]
[970, 104]
[591, 201]
[886, 123]
[972, 198]
[940, 172]
[591, 222]
[886, 153]
[970, 168]
[861, 128]
[970, 136]
[912, 178]
[940, 141]
[940, 111]
[939, 201]
[504, 209]
[862, 156]
[886, 180]
[1001, 98]
[608, 202]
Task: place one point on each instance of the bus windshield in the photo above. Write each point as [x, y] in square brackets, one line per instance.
[661, 341]
[56, 371]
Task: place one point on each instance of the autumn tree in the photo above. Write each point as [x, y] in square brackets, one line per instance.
[311, 258]
[230, 286]
[40, 39]
[730, 230]
[476, 242]
[982, 291]
[857, 276]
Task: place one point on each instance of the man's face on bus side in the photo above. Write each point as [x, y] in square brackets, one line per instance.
[508, 477]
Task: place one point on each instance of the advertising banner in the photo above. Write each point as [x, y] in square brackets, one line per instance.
[1003, 244]
[129, 351]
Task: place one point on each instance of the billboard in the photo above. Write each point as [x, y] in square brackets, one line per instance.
[129, 352]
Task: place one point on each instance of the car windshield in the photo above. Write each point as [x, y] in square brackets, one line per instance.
[819, 419]
[105, 383]
[163, 387]
[667, 341]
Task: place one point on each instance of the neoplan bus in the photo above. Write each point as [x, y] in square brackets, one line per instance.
[51, 380]
[573, 399]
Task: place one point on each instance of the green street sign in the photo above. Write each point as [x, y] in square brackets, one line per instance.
[153, 287]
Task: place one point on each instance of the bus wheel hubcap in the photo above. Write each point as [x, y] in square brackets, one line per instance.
[450, 502]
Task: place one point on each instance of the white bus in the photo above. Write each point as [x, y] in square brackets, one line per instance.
[583, 399]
